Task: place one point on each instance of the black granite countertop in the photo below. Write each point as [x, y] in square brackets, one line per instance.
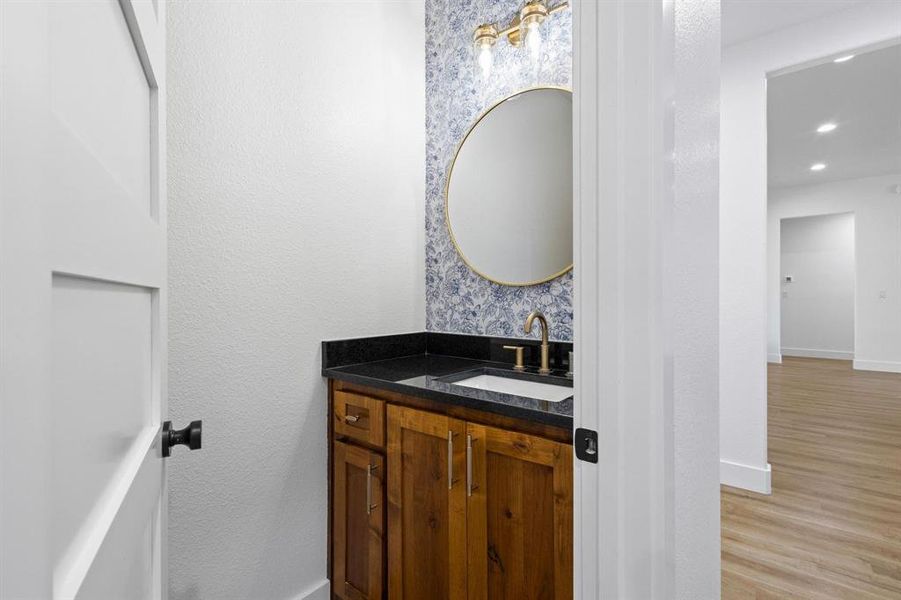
[403, 364]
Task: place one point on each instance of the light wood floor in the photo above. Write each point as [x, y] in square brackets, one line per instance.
[832, 528]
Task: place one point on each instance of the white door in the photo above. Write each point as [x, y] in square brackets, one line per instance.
[82, 299]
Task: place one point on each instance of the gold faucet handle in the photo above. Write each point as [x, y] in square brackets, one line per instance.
[519, 366]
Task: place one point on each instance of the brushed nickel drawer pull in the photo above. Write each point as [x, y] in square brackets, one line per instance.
[351, 418]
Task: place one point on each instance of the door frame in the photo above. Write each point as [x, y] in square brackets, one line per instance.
[646, 134]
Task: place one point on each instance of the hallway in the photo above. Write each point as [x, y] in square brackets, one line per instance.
[832, 527]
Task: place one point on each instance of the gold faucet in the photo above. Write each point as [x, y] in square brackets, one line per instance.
[545, 368]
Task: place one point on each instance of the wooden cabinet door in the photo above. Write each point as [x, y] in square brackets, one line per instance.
[426, 506]
[519, 515]
[359, 520]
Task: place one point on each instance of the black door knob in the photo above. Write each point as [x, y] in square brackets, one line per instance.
[189, 436]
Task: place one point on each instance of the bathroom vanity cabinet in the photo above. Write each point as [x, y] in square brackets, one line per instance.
[430, 501]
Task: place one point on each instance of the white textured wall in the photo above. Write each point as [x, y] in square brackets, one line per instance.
[296, 161]
[877, 250]
[743, 229]
[818, 305]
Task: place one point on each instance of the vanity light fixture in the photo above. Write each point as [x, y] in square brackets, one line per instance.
[817, 166]
[826, 127]
[524, 28]
[531, 17]
[485, 38]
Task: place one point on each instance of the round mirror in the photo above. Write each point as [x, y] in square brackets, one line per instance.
[509, 191]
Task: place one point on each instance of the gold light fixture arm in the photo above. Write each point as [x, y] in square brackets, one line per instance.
[513, 30]
[513, 26]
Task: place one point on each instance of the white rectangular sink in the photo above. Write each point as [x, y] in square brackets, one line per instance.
[518, 387]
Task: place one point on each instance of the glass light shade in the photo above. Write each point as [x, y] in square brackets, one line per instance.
[484, 37]
[485, 58]
[533, 40]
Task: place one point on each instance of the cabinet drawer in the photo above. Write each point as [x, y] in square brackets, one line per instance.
[360, 418]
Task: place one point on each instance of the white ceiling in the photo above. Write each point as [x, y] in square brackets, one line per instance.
[861, 96]
[746, 19]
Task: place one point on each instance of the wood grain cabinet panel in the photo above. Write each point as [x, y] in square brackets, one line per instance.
[519, 516]
[358, 514]
[426, 506]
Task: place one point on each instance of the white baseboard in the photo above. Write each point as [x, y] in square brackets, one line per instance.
[814, 353]
[319, 591]
[878, 365]
[746, 477]
[774, 358]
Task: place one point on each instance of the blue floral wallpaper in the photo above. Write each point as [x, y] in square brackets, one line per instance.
[458, 300]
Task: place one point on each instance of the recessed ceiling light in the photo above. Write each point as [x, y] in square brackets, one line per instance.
[817, 166]
[844, 58]
[826, 127]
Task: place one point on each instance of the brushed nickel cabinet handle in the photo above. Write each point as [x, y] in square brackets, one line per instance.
[450, 460]
[468, 465]
[369, 504]
[351, 418]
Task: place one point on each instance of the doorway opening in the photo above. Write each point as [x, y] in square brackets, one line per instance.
[817, 286]
[833, 331]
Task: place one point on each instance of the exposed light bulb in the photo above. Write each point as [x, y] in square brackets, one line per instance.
[826, 127]
[817, 166]
[533, 40]
[486, 60]
[484, 38]
[844, 58]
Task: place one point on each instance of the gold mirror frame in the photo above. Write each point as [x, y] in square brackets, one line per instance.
[447, 181]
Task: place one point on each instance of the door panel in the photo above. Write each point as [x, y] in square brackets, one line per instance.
[127, 562]
[82, 299]
[426, 506]
[101, 374]
[519, 516]
[359, 524]
[117, 575]
[99, 93]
